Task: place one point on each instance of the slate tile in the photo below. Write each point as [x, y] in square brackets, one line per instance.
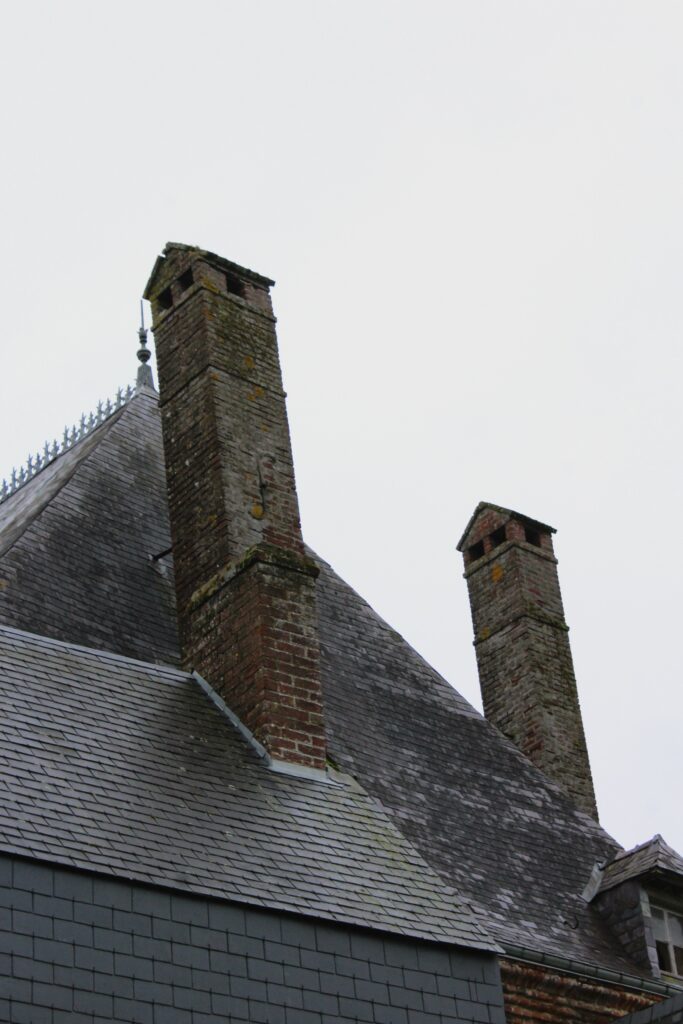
[172, 1015]
[25, 923]
[33, 877]
[29, 1013]
[19, 945]
[58, 996]
[14, 988]
[71, 885]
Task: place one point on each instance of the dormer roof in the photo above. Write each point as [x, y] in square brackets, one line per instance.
[655, 858]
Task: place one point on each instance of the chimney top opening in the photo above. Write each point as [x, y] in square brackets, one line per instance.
[186, 279]
[165, 298]
[498, 537]
[234, 285]
[532, 536]
[475, 551]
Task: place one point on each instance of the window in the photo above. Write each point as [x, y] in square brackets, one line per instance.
[668, 934]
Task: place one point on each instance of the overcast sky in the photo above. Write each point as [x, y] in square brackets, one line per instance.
[473, 214]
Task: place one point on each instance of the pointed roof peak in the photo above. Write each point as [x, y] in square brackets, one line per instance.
[653, 856]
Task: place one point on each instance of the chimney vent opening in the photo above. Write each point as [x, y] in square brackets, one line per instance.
[498, 537]
[532, 536]
[165, 298]
[186, 279]
[476, 551]
[234, 285]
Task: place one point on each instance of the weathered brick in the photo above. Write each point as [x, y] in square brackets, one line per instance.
[244, 586]
[524, 659]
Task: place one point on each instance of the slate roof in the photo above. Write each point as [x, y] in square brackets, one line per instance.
[130, 768]
[652, 857]
[77, 542]
[474, 807]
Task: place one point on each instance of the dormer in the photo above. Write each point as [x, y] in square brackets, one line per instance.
[640, 895]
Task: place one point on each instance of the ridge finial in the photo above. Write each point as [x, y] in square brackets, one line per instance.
[145, 378]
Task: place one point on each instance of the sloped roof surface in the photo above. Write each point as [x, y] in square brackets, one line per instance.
[654, 856]
[77, 541]
[126, 767]
[475, 808]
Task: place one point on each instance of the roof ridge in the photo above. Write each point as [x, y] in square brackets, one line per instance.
[98, 652]
[70, 439]
[624, 854]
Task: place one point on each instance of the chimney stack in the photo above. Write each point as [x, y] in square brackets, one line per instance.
[245, 588]
[525, 664]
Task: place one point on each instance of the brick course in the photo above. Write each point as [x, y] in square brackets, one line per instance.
[245, 589]
[539, 995]
[524, 659]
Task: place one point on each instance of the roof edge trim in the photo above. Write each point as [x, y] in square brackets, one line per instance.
[581, 968]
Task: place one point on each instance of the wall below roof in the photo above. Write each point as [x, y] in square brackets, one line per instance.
[535, 994]
[83, 949]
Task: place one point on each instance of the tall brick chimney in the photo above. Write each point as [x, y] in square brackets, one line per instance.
[525, 663]
[244, 585]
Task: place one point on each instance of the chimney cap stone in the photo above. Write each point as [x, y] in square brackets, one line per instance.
[172, 248]
[535, 524]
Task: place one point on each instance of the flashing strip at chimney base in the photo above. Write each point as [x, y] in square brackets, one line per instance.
[298, 771]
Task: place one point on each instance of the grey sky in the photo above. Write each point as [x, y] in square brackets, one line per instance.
[473, 212]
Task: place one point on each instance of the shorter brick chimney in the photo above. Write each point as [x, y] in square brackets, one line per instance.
[245, 588]
[525, 663]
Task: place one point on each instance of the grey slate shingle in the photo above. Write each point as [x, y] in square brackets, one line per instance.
[75, 543]
[127, 767]
[479, 813]
[655, 856]
[474, 806]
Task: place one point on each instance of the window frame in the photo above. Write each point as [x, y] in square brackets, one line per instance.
[657, 909]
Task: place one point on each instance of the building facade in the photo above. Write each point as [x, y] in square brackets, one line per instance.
[232, 792]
